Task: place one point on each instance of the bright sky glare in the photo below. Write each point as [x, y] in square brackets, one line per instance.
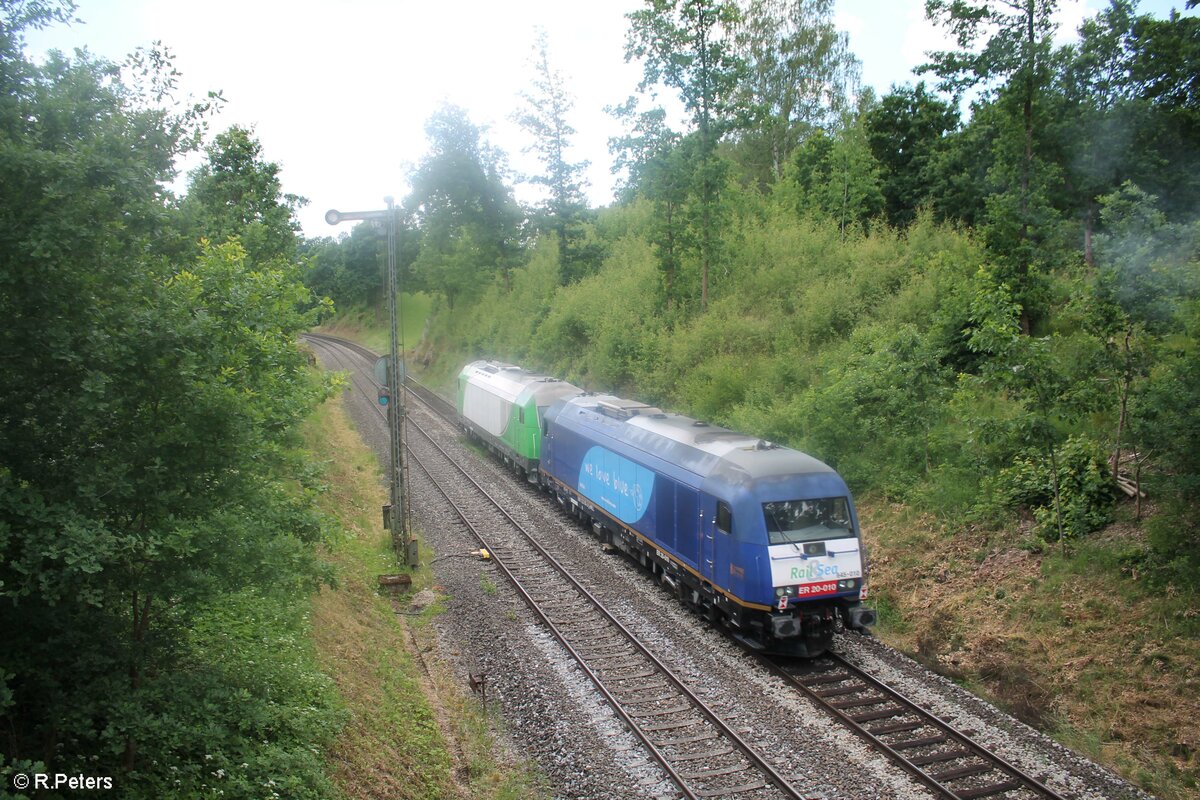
[338, 92]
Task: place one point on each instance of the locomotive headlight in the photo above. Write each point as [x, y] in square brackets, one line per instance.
[779, 591]
[847, 585]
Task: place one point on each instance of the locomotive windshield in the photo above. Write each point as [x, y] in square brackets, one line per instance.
[794, 521]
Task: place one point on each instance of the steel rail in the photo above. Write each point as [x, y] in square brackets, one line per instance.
[747, 750]
[927, 719]
[330, 344]
[773, 776]
[657, 754]
[413, 385]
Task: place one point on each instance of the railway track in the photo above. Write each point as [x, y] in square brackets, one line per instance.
[944, 759]
[702, 755]
[333, 351]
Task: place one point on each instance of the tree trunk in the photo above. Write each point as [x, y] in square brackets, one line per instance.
[1089, 232]
[141, 619]
[1027, 163]
[1126, 382]
[1062, 536]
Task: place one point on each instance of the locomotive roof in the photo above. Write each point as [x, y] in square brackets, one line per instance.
[508, 381]
[725, 451]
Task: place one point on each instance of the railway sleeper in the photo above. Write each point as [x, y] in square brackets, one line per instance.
[871, 716]
[714, 773]
[988, 791]
[937, 758]
[923, 742]
[669, 726]
[704, 754]
[602, 652]
[650, 687]
[896, 727]
[861, 702]
[836, 677]
[731, 790]
[635, 676]
[703, 737]
[657, 699]
[962, 772]
[660, 712]
[619, 665]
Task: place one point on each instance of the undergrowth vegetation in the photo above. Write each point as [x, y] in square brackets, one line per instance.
[410, 728]
[894, 356]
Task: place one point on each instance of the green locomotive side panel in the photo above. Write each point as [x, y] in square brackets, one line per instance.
[524, 431]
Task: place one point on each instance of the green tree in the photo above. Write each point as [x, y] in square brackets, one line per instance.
[885, 398]
[1147, 266]
[836, 176]
[238, 194]
[1164, 65]
[659, 165]
[468, 221]
[958, 170]
[1095, 120]
[1044, 378]
[1015, 61]
[800, 78]
[145, 405]
[544, 117]
[906, 132]
[1166, 424]
[687, 45]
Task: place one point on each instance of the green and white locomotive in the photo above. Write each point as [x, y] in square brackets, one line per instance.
[501, 406]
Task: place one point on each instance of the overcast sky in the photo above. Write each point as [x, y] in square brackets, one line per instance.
[338, 92]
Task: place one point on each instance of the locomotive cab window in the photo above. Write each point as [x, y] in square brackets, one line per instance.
[796, 521]
[724, 518]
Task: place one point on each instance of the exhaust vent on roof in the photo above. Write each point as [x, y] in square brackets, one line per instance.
[619, 411]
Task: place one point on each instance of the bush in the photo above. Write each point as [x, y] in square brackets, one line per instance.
[1085, 489]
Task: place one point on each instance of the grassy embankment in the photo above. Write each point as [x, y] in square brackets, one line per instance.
[412, 730]
[1068, 643]
[369, 326]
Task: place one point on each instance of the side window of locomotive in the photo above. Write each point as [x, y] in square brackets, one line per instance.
[521, 415]
[724, 518]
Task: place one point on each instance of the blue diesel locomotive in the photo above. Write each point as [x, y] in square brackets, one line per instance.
[761, 538]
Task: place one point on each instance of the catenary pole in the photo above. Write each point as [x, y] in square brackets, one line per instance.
[396, 513]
